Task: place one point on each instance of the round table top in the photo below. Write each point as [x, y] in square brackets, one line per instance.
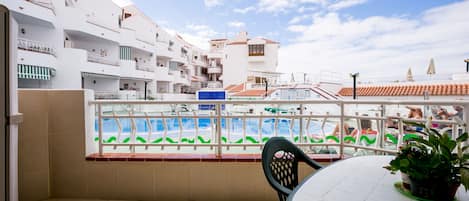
[355, 179]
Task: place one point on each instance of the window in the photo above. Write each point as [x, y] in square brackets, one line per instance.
[256, 50]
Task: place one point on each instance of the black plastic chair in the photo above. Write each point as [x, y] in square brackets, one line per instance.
[280, 163]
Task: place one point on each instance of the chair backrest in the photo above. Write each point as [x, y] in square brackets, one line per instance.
[280, 163]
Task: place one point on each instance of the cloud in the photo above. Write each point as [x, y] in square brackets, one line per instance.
[123, 3]
[212, 3]
[236, 24]
[196, 34]
[345, 4]
[380, 46]
[244, 10]
[196, 27]
[275, 5]
[299, 18]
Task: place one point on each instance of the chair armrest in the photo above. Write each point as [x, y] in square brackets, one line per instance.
[312, 163]
[284, 190]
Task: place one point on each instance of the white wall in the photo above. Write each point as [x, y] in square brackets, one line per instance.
[109, 49]
[235, 66]
[237, 63]
[29, 83]
[144, 30]
[68, 75]
[102, 84]
[145, 60]
[37, 33]
[105, 11]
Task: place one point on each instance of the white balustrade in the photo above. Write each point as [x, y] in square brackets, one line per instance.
[224, 123]
[36, 46]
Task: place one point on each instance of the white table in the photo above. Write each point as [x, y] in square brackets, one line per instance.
[355, 179]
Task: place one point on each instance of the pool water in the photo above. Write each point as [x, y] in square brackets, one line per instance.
[110, 127]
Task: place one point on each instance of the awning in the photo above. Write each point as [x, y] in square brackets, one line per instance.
[33, 72]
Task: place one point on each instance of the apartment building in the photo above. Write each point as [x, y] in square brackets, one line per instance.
[242, 59]
[117, 52]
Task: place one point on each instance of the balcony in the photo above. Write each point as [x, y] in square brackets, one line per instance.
[162, 50]
[34, 11]
[130, 69]
[131, 39]
[36, 53]
[96, 58]
[95, 64]
[215, 84]
[212, 70]
[179, 78]
[79, 20]
[215, 55]
[36, 46]
[162, 74]
[137, 164]
[256, 59]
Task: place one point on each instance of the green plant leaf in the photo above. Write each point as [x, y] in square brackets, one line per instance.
[465, 178]
[404, 163]
[462, 137]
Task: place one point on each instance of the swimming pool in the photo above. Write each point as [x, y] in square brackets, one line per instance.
[173, 127]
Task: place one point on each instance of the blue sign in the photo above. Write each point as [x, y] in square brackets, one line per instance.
[210, 95]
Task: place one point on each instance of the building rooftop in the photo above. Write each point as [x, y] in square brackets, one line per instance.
[449, 89]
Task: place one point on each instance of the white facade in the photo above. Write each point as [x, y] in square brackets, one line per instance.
[249, 60]
[98, 45]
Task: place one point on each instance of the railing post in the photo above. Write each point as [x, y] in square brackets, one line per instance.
[301, 124]
[100, 130]
[218, 133]
[342, 121]
[466, 120]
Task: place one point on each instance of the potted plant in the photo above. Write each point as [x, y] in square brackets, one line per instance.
[435, 164]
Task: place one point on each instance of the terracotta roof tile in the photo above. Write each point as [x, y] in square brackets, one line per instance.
[253, 92]
[229, 87]
[409, 90]
[236, 88]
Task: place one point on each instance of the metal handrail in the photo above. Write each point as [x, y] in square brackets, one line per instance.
[302, 117]
[93, 57]
[36, 46]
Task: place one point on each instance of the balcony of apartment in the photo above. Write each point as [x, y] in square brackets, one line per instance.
[33, 11]
[36, 53]
[75, 147]
[179, 78]
[199, 62]
[91, 62]
[215, 55]
[214, 70]
[131, 38]
[130, 69]
[256, 58]
[214, 84]
[162, 74]
[80, 20]
[163, 50]
[181, 59]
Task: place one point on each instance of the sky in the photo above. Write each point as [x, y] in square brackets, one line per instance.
[380, 39]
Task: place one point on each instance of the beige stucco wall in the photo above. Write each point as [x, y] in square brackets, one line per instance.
[52, 162]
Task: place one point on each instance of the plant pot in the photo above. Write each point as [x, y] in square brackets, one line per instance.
[436, 189]
[405, 181]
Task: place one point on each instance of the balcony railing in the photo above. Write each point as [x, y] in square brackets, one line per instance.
[96, 58]
[43, 3]
[143, 67]
[35, 46]
[224, 126]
